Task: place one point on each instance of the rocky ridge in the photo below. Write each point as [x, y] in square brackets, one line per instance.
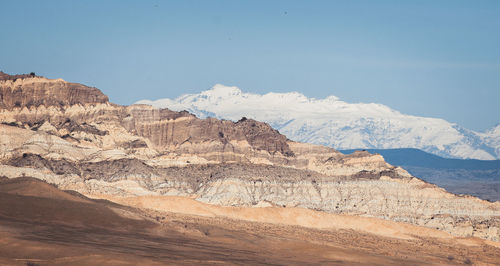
[71, 136]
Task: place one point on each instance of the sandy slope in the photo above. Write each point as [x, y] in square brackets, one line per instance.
[292, 216]
[43, 225]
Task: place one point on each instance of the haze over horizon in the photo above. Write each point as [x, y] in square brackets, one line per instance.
[433, 59]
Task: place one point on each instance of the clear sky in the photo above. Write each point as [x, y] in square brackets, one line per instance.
[428, 58]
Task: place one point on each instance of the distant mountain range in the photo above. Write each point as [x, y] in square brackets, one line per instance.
[474, 177]
[418, 158]
[338, 124]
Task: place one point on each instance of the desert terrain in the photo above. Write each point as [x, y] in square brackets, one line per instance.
[45, 226]
[85, 181]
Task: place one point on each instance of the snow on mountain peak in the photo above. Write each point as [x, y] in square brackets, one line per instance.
[332, 98]
[339, 124]
[495, 130]
[219, 90]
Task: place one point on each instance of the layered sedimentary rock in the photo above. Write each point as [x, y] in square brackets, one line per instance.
[178, 131]
[34, 91]
[70, 135]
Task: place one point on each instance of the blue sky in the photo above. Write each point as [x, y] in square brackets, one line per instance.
[428, 58]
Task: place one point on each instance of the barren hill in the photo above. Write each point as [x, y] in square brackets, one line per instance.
[71, 136]
[54, 227]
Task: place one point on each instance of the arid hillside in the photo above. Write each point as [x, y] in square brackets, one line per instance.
[56, 227]
[224, 174]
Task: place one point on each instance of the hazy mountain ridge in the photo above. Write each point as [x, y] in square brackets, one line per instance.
[480, 178]
[338, 124]
[415, 157]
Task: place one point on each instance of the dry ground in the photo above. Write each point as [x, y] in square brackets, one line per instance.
[45, 226]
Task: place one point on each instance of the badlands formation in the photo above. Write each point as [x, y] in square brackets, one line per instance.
[42, 225]
[71, 136]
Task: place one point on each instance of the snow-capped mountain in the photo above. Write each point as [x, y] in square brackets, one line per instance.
[338, 124]
[492, 139]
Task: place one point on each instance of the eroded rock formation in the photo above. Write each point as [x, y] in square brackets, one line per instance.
[71, 136]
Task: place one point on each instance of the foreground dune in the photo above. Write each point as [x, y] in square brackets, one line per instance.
[291, 216]
[42, 225]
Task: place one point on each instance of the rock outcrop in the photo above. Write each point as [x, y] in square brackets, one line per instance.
[37, 91]
[71, 136]
[168, 130]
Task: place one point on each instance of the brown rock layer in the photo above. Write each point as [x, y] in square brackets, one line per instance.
[35, 91]
[165, 129]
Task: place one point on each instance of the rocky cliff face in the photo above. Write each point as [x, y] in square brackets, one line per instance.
[37, 91]
[70, 135]
[168, 131]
